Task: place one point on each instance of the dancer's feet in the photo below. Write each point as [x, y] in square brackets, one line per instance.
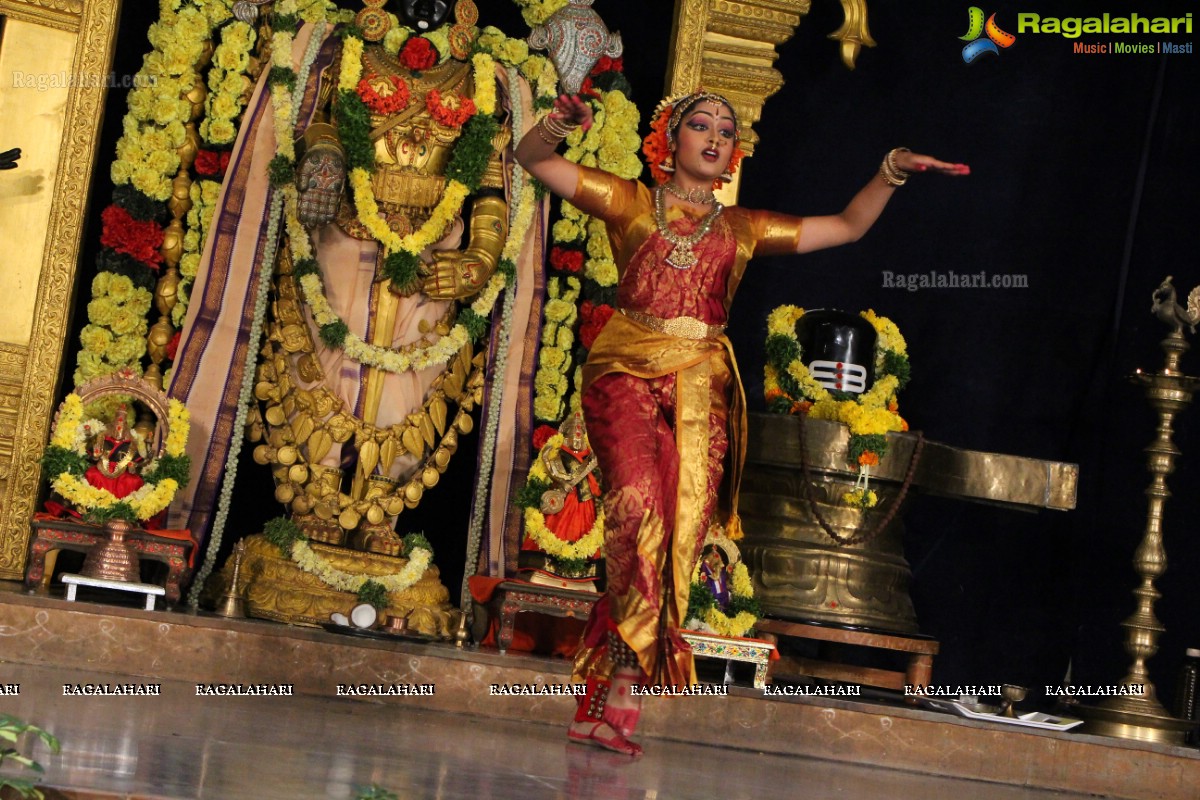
[623, 707]
[601, 734]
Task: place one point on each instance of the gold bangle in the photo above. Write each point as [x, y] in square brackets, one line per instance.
[550, 140]
[892, 174]
[557, 127]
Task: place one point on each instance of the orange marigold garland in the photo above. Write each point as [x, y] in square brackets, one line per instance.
[655, 146]
[451, 111]
[389, 101]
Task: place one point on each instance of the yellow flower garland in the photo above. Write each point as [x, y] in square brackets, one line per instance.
[450, 206]
[558, 339]
[871, 413]
[455, 193]
[535, 521]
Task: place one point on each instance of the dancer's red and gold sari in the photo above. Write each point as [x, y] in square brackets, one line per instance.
[662, 412]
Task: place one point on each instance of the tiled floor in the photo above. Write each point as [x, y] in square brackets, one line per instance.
[182, 746]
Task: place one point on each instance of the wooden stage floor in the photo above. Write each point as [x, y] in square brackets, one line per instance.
[462, 741]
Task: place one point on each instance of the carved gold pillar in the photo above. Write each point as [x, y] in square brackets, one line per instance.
[729, 47]
[55, 59]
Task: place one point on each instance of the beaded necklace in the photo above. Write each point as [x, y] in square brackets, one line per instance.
[682, 256]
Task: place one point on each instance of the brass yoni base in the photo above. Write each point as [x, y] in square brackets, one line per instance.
[1126, 724]
[276, 589]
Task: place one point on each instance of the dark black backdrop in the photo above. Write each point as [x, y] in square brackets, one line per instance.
[1084, 179]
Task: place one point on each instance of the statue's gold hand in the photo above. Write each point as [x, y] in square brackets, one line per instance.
[455, 274]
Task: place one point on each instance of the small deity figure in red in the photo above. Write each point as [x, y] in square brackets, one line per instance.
[570, 507]
[118, 453]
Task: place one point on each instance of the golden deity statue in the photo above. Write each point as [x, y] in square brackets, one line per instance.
[389, 256]
[394, 416]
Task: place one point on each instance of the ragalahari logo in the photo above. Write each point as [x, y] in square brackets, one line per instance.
[976, 27]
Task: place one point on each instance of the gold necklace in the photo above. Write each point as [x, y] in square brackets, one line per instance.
[699, 195]
[682, 256]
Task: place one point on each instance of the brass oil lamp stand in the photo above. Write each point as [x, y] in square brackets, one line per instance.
[1169, 393]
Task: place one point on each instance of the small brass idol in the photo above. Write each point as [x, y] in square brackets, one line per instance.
[1169, 392]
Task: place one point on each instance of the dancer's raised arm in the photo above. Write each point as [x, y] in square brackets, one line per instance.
[866, 206]
[535, 151]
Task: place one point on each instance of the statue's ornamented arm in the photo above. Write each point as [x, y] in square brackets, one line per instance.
[455, 274]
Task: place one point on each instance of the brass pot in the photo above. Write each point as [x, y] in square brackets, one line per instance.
[113, 559]
[800, 572]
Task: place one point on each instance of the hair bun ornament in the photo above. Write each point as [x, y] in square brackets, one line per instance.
[373, 21]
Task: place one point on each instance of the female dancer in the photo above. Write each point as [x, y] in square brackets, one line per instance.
[662, 397]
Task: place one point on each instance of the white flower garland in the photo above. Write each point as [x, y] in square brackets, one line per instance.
[313, 563]
[524, 203]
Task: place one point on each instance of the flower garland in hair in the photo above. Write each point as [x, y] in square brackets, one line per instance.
[870, 416]
[66, 461]
[657, 144]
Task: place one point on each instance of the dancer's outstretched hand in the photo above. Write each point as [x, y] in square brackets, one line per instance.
[571, 109]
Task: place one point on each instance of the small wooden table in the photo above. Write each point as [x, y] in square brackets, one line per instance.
[151, 590]
[56, 534]
[919, 652]
[518, 596]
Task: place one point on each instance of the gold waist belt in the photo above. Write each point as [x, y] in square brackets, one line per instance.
[683, 327]
[407, 189]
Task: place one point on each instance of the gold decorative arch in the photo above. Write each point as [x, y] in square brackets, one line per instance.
[730, 46]
[63, 50]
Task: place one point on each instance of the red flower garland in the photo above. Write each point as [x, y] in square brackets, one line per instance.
[393, 102]
[173, 346]
[418, 53]
[211, 164]
[453, 111]
[542, 435]
[607, 64]
[138, 239]
[566, 259]
[594, 317]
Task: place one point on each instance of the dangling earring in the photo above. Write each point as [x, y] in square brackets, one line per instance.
[667, 165]
[725, 176]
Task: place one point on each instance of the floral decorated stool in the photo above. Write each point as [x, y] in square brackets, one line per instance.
[756, 651]
[50, 534]
[918, 652]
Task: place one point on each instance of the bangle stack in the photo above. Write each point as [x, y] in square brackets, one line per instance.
[553, 130]
[892, 174]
